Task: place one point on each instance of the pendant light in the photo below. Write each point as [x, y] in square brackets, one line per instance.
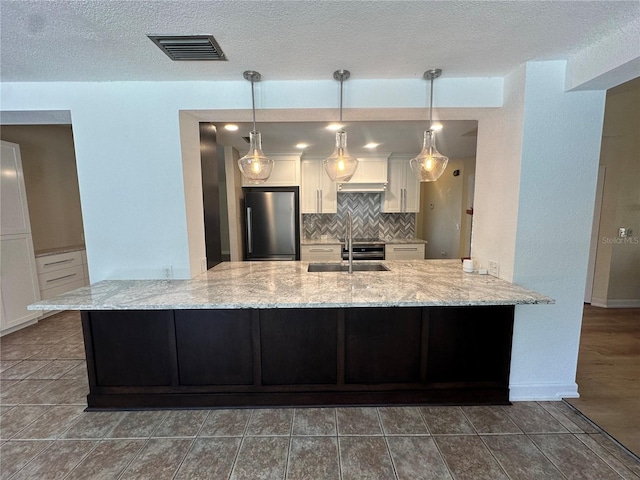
[429, 164]
[255, 166]
[340, 166]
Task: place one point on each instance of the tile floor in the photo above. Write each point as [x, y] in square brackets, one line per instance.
[45, 433]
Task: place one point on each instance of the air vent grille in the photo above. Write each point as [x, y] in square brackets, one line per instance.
[189, 47]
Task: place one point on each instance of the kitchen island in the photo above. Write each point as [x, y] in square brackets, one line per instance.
[272, 333]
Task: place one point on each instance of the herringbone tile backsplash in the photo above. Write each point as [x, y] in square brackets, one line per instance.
[368, 220]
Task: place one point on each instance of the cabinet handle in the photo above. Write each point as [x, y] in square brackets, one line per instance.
[60, 278]
[58, 262]
[320, 196]
[249, 232]
[403, 196]
[405, 249]
[317, 201]
[321, 250]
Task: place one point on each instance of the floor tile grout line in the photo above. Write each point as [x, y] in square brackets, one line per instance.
[612, 467]
[32, 459]
[133, 458]
[601, 430]
[186, 454]
[83, 457]
[338, 444]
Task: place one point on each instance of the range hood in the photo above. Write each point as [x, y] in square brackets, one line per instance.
[370, 176]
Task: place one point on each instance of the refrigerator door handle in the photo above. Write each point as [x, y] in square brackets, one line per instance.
[249, 235]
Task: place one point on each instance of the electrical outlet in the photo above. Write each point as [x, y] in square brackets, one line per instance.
[167, 271]
[494, 268]
[203, 264]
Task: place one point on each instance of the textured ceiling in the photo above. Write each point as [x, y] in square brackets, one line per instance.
[99, 40]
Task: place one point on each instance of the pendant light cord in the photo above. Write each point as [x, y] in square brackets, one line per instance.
[341, 81]
[431, 107]
[253, 105]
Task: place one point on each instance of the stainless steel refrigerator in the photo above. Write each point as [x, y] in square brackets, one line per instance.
[272, 223]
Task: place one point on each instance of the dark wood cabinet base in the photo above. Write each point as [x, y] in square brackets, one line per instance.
[298, 357]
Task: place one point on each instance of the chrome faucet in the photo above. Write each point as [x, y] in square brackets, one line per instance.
[350, 240]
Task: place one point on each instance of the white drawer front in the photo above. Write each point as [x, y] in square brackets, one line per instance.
[321, 253]
[406, 251]
[51, 263]
[61, 277]
[60, 289]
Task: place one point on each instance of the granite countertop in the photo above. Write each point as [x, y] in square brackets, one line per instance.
[400, 241]
[232, 285]
[335, 241]
[57, 250]
[320, 241]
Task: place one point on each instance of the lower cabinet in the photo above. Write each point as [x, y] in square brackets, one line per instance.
[288, 357]
[19, 287]
[404, 251]
[321, 253]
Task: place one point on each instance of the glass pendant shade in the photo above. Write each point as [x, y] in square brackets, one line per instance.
[429, 164]
[340, 166]
[255, 166]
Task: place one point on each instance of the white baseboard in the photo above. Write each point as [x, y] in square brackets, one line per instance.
[543, 392]
[625, 303]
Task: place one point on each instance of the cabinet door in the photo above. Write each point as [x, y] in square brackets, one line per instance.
[394, 195]
[328, 192]
[411, 190]
[370, 170]
[309, 189]
[286, 173]
[318, 192]
[13, 196]
[19, 281]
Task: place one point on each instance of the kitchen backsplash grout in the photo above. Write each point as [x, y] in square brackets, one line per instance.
[368, 219]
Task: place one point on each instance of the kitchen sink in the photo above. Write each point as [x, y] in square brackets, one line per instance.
[338, 267]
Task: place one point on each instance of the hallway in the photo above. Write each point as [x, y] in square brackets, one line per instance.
[608, 374]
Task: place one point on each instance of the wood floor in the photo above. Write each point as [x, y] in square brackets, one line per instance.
[608, 374]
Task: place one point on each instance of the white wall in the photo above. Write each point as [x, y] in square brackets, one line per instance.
[498, 178]
[558, 173]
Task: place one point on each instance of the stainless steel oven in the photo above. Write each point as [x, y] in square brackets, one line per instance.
[364, 249]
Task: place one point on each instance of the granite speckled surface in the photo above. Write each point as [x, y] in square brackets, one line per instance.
[232, 285]
[57, 250]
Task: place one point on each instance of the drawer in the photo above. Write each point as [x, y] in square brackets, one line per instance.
[60, 277]
[58, 261]
[60, 289]
[404, 251]
[321, 253]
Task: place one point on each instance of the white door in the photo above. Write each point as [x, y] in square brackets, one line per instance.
[18, 275]
[13, 197]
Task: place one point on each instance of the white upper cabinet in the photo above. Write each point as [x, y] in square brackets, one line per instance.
[13, 197]
[370, 176]
[286, 172]
[318, 193]
[403, 191]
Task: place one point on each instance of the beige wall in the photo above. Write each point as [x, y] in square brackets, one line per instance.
[51, 180]
[617, 268]
[442, 221]
[234, 203]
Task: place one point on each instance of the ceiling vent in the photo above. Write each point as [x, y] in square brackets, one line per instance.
[189, 47]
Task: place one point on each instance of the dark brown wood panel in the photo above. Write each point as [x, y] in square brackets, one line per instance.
[469, 344]
[383, 345]
[214, 347]
[133, 347]
[299, 346]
